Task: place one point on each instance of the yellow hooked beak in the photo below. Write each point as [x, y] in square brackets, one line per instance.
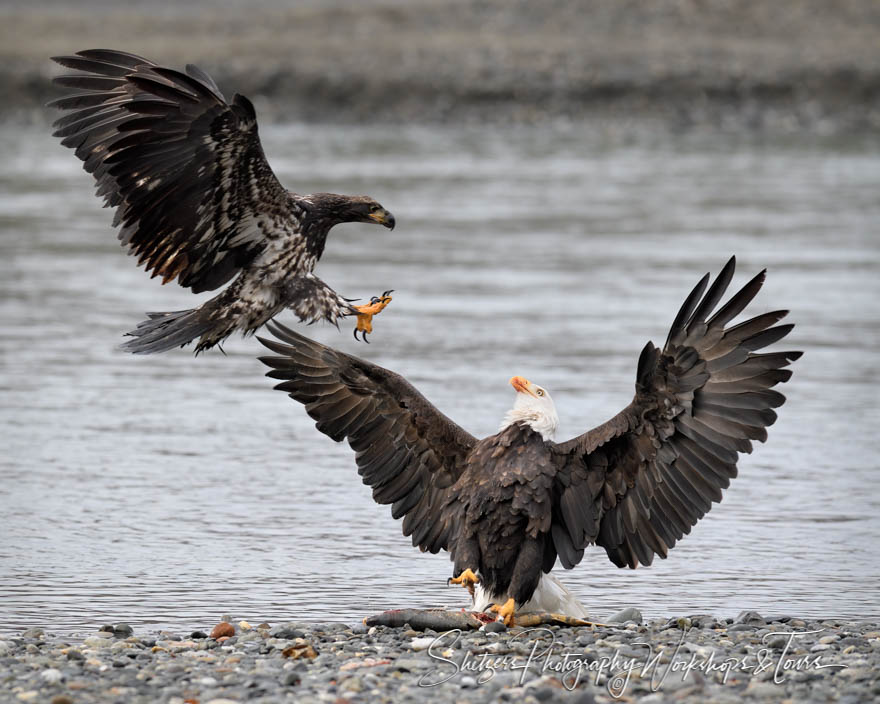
[522, 386]
[383, 217]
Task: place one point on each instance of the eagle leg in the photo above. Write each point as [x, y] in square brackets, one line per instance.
[505, 611]
[466, 579]
[366, 313]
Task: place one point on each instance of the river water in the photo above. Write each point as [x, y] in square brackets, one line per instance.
[167, 490]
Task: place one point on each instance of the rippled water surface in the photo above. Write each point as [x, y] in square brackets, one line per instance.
[167, 490]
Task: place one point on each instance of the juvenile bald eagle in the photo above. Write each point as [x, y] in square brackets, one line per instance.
[197, 201]
[508, 506]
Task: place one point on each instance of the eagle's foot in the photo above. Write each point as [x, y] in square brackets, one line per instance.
[366, 313]
[466, 579]
[505, 611]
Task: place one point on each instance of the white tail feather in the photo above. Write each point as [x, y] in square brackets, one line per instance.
[551, 596]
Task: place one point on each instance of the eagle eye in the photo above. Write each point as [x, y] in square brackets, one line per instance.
[540, 392]
[374, 208]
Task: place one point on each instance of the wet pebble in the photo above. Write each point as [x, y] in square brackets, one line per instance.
[750, 618]
[286, 631]
[291, 679]
[122, 629]
[628, 614]
[777, 642]
[222, 630]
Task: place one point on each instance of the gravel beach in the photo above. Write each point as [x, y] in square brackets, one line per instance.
[692, 658]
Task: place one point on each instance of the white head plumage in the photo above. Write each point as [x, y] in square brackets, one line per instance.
[534, 407]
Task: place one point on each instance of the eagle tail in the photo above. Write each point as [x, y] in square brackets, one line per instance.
[164, 331]
[550, 596]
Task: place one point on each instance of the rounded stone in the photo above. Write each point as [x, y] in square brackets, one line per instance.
[51, 676]
[544, 694]
[222, 629]
[97, 642]
[286, 632]
[750, 618]
[352, 684]
[777, 643]
[583, 697]
[628, 614]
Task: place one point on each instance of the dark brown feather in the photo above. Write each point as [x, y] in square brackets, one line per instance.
[185, 168]
[704, 398]
[406, 450]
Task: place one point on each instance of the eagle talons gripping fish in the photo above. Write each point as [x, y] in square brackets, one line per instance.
[505, 611]
[366, 313]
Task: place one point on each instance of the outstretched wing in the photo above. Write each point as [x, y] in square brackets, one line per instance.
[195, 196]
[638, 483]
[406, 449]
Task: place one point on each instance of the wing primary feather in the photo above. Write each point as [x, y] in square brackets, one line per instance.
[714, 294]
[738, 302]
[687, 308]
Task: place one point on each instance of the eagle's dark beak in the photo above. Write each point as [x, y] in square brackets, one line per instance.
[383, 217]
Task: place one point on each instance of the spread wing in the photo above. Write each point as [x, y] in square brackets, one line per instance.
[194, 194]
[636, 484]
[405, 449]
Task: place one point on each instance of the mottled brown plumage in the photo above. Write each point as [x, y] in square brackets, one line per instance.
[196, 199]
[509, 505]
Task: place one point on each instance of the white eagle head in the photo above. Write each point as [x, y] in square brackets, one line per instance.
[534, 407]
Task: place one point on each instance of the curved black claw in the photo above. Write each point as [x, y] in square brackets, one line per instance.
[388, 292]
[376, 299]
[355, 333]
[364, 337]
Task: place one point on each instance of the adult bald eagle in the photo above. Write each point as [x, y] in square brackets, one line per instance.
[197, 201]
[508, 506]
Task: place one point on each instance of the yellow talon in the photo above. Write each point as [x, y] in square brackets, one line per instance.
[506, 611]
[366, 313]
[466, 579]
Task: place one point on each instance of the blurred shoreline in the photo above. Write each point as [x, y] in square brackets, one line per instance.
[801, 66]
